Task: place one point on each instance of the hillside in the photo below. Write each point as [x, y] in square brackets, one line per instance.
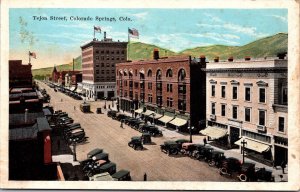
[268, 46]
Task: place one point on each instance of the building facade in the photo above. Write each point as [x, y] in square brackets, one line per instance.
[247, 101]
[19, 75]
[166, 88]
[98, 67]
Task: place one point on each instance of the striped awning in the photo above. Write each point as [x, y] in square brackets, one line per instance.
[178, 122]
[148, 112]
[157, 116]
[253, 145]
[214, 132]
[166, 119]
[139, 111]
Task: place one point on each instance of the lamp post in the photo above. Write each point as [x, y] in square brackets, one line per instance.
[190, 130]
[153, 118]
[243, 149]
[74, 149]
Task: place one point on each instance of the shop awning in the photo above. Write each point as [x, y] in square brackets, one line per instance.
[166, 119]
[178, 122]
[214, 132]
[139, 111]
[253, 145]
[157, 116]
[148, 112]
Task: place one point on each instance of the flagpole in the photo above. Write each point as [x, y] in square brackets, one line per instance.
[128, 44]
[94, 32]
[73, 65]
[29, 56]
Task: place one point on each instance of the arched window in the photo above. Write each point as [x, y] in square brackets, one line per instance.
[158, 74]
[181, 75]
[125, 72]
[169, 73]
[149, 73]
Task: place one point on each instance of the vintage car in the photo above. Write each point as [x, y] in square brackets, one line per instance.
[77, 137]
[85, 107]
[112, 113]
[121, 116]
[180, 141]
[137, 124]
[215, 158]
[93, 159]
[108, 167]
[188, 148]
[230, 165]
[136, 143]
[247, 172]
[203, 152]
[94, 152]
[154, 131]
[264, 175]
[146, 138]
[101, 177]
[122, 175]
[170, 147]
[128, 120]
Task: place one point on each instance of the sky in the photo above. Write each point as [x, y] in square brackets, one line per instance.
[58, 41]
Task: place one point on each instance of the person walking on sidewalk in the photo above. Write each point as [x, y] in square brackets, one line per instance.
[204, 141]
[283, 165]
[121, 124]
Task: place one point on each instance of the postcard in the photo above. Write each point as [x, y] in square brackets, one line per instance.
[150, 95]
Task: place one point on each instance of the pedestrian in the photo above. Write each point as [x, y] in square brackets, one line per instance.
[121, 124]
[283, 165]
[204, 141]
[74, 108]
[61, 100]
[145, 177]
[108, 106]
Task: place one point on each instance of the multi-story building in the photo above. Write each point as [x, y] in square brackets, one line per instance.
[98, 67]
[168, 88]
[19, 75]
[247, 101]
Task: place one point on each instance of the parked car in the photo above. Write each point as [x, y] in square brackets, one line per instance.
[263, 174]
[180, 141]
[121, 116]
[145, 128]
[197, 149]
[94, 152]
[112, 113]
[215, 158]
[101, 177]
[137, 124]
[170, 147]
[203, 152]
[136, 143]
[122, 175]
[146, 138]
[109, 167]
[230, 165]
[188, 148]
[128, 120]
[247, 172]
[154, 131]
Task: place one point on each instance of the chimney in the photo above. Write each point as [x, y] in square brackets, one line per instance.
[155, 54]
[202, 58]
[26, 115]
[247, 58]
[230, 59]
[216, 59]
[104, 35]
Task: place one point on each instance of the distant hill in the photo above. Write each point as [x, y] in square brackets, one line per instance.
[268, 46]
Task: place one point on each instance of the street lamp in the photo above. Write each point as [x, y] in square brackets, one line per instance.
[153, 119]
[243, 149]
[74, 149]
[190, 130]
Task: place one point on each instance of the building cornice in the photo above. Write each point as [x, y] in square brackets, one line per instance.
[249, 70]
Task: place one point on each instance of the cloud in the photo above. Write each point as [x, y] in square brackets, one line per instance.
[213, 18]
[25, 35]
[141, 15]
[282, 18]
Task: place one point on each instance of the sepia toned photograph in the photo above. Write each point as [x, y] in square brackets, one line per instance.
[143, 96]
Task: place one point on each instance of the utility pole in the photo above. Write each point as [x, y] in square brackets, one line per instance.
[243, 149]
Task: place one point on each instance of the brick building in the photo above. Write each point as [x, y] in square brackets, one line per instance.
[167, 89]
[19, 75]
[98, 67]
[72, 78]
[247, 100]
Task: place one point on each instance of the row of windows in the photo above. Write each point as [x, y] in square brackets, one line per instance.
[247, 93]
[248, 115]
[108, 58]
[107, 65]
[105, 79]
[169, 73]
[103, 71]
[110, 52]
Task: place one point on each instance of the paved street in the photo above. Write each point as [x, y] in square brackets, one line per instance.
[103, 132]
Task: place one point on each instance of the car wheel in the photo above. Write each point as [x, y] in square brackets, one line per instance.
[223, 171]
[130, 145]
[243, 177]
[174, 151]
[197, 156]
[211, 163]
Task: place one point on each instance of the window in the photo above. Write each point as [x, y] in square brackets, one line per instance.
[107, 52]
[149, 73]
[169, 88]
[102, 71]
[125, 83]
[248, 114]
[247, 94]
[118, 52]
[123, 52]
[223, 93]
[102, 64]
[213, 108]
[281, 124]
[107, 71]
[234, 112]
[262, 117]
[223, 110]
[284, 95]
[136, 85]
[97, 71]
[102, 51]
[97, 57]
[181, 75]
[213, 90]
[150, 85]
[169, 73]
[107, 64]
[97, 51]
[262, 95]
[234, 93]
[169, 102]
[107, 58]
[150, 98]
